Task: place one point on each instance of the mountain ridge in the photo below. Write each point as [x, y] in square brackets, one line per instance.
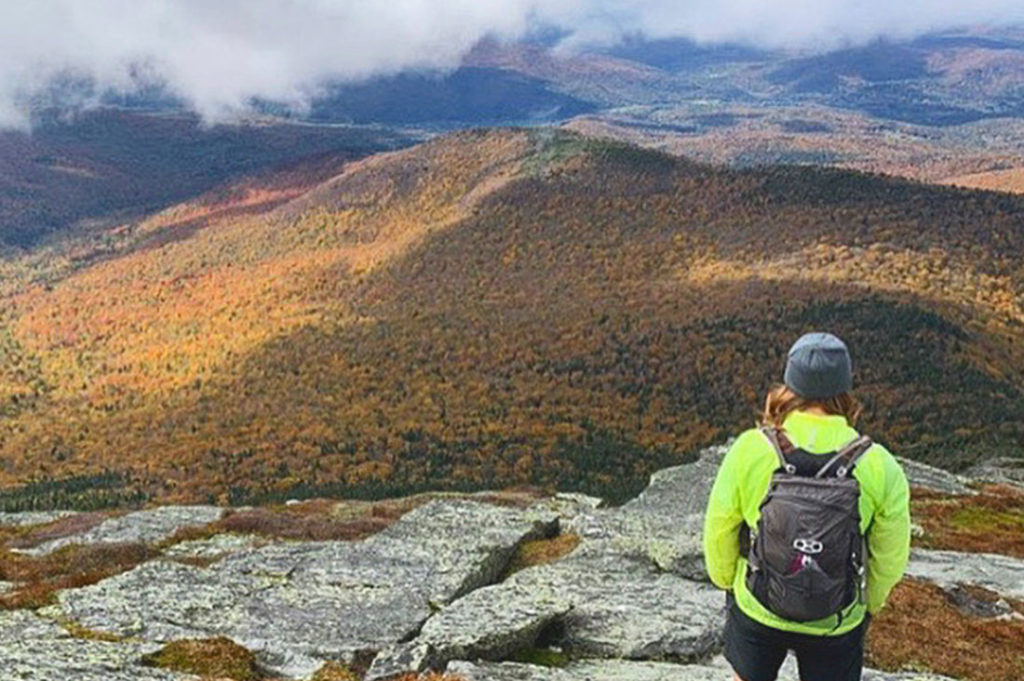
[592, 311]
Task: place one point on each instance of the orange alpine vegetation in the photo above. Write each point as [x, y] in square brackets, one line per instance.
[920, 629]
[40, 578]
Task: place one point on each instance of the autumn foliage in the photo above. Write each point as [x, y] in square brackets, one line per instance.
[502, 308]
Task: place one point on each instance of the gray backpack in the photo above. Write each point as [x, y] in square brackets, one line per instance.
[807, 554]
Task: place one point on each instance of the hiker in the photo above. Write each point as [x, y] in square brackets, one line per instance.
[807, 526]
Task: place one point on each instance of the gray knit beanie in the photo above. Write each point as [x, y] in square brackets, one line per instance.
[819, 367]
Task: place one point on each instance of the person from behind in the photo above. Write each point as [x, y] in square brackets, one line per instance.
[807, 526]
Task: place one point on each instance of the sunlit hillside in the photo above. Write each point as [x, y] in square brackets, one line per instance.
[1007, 180]
[501, 308]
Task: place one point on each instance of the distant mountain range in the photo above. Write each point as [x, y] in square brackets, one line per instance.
[496, 308]
[939, 108]
[943, 108]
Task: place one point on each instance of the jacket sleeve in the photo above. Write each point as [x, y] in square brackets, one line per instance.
[722, 521]
[888, 536]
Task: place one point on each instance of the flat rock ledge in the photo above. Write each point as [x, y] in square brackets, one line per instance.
[631, 603]
[217, 546]
[27, 518]
[149, 526]
[596, 670]
[1001, 471]
[597, 609]
[1001, 574]
[299, 604]
[934, 479]
[662, 525]
[628, 591]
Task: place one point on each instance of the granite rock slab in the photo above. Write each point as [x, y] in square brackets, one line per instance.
[29, 518]
[607, 607]
[217, 546]
[628, 670]
[934, 479]
[589, 670]
[1001, 574]
[663, 524]
[298, 604]
[148, 526]
[1001, 471]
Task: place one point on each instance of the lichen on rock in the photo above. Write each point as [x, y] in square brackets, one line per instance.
[37, 648]
[1000, 574]
[297, 604]
[620, 592]
[934, 479]
[662, 524]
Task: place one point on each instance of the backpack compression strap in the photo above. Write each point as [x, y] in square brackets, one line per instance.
[781, 444]
[848, 455]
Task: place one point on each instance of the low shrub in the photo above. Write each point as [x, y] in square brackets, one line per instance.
[541, 552]
[40, 577]
[990, 522]
[921, 629]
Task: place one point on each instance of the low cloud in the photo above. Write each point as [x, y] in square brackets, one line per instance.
[218, 56]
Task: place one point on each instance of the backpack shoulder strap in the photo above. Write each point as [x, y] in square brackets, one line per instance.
[847, 457]
[781, 444]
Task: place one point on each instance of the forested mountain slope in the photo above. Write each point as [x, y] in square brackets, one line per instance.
[506, 307]
[95, 166]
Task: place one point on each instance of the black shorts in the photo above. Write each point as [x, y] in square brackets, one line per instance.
[756, 651]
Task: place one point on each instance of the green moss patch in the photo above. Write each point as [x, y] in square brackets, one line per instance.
[335, 671]
[544, 657]
[218, 657]
[990, 522]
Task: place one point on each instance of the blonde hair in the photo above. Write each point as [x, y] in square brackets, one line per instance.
[782, 401]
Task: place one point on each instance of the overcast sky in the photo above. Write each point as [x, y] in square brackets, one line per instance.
[218, 54]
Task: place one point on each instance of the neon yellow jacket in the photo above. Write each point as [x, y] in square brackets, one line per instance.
[742, 483]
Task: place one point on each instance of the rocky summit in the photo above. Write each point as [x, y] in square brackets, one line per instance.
[432, 590]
